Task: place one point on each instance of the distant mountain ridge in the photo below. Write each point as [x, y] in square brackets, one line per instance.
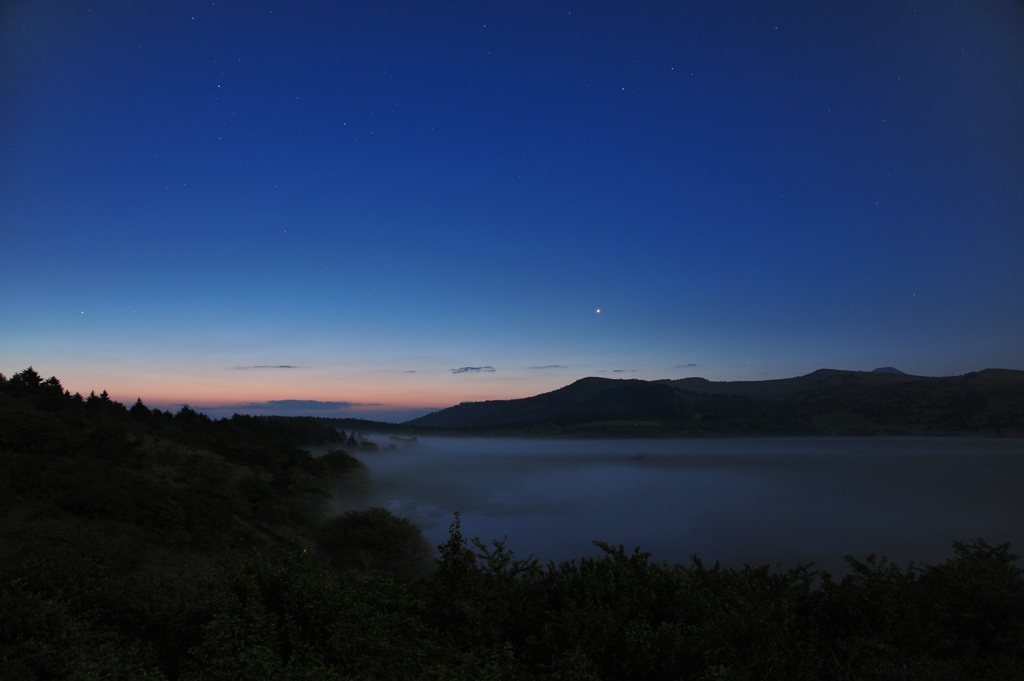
[827, 401]
[587, 398]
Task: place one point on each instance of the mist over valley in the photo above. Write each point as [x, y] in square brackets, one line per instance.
[754, 500]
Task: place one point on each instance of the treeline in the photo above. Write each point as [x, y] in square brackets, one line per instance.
[45, 415]
[138, 544]
[177, 479]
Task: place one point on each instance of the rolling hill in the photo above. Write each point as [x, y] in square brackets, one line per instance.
[825, 402]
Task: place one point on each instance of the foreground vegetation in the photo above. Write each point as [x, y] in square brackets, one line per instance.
[136, 543]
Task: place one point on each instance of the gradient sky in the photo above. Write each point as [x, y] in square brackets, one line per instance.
[235, 202]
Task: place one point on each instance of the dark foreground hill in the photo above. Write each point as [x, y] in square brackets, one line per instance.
[140, 544]
[825, 402]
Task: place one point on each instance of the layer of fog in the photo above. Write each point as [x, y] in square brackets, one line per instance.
[736, 501]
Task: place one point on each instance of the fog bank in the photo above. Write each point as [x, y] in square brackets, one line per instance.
[753, 500]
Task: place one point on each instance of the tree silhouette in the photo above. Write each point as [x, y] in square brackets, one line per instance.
[139, 410]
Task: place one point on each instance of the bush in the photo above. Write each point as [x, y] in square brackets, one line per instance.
[375, 539]
[338, 461]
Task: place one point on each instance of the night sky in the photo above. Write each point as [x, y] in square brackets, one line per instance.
[391, 207]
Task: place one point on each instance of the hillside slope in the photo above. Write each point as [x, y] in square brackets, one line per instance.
[588, 399]
[827, 401]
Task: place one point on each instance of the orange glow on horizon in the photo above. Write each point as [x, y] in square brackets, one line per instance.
[225, 388]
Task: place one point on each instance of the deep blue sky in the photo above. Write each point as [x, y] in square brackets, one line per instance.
[376, 194]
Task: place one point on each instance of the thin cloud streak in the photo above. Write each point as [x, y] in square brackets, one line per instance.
[328, 409]
[473, 370]
[286, 407]
[373, 411]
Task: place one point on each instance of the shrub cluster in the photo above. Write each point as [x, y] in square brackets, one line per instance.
[79, 607]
